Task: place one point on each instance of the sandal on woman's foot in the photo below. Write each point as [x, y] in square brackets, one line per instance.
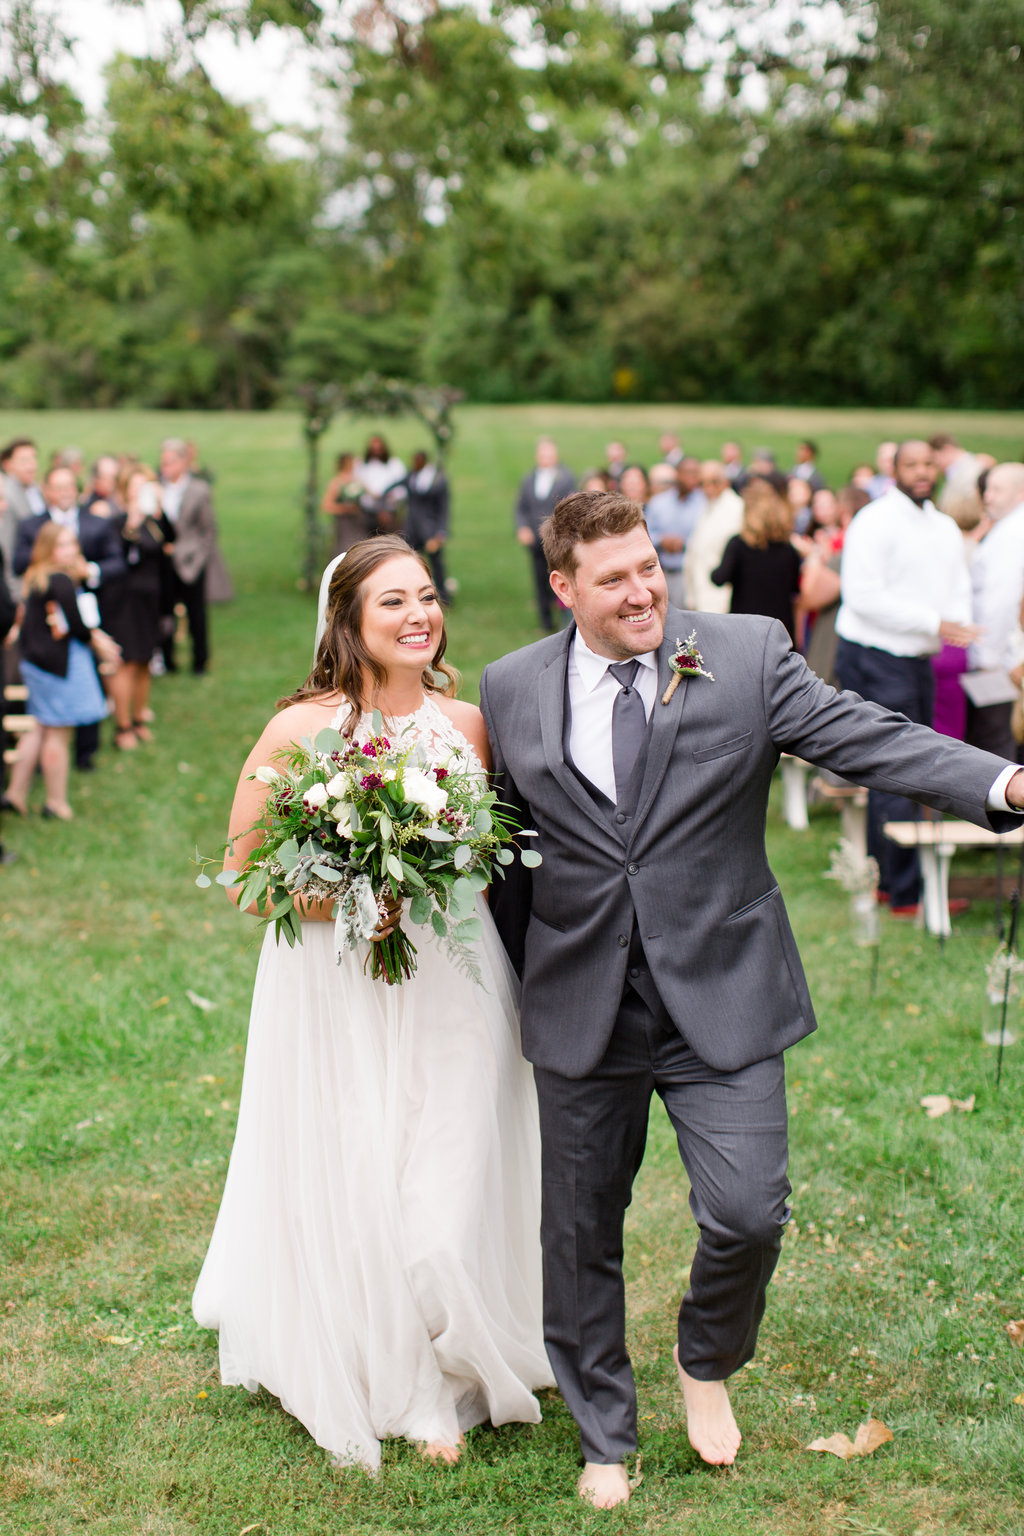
[125, 739]
[58, 813]
[7, 804]
[142, 730]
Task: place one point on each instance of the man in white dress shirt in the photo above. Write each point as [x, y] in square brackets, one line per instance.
[905, 593]
[997, 580]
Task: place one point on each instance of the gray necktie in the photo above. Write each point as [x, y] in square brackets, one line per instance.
[629, 722]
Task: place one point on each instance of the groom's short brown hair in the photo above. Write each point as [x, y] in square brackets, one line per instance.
[582, 517]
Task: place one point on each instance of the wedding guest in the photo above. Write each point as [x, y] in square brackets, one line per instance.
[539, 491]
[131, 611]
[19, 467]
[731, 459]
[427, 510]
[825, 517]
[905, 590]
[820, 585]
[595, 480]
[760, 563]
[670, 449]
[101, 549]
[884, 479]
[381, 473]
[633, 482]
[997, 581]
[101, 496]
[672, 515]
[862, 476]
[958, 468]
[798, 494]
[806, 466]
[341, 503]
[615, 462]
[56, 667]
[720, 518]
[188, 506]
[69, 458]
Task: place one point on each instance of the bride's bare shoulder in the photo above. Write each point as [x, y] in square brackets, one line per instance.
[297, 720]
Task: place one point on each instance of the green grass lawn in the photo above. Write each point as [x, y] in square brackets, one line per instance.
[899, 1273]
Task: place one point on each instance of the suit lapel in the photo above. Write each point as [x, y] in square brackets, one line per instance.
[663, 728]
[551, 698]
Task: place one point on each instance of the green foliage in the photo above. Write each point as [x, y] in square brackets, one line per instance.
[534, 202]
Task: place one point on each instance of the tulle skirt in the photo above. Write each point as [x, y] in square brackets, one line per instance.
[376, 1260]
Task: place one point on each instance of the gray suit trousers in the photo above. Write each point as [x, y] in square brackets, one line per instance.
[731, 1131]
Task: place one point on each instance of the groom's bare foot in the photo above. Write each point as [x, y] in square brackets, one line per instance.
[437, 1450]
[603, 1486]
[710, 1424]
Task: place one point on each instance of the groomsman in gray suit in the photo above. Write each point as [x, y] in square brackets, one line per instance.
[539, 493]
[654, 948]
[188, 505]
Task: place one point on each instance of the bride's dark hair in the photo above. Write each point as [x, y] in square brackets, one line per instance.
[343, 664]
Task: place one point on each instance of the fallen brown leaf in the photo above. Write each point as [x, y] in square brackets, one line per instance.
[935, 1104]
[54, 1419]
[1019, 1399]
[868, 1438]
[1016, 1332]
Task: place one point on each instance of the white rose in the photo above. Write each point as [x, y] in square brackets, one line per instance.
[315, 797]
[268, 776]
[342, 814]
[424, 790]
[339, 786]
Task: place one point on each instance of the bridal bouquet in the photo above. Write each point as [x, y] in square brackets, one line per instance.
[358, 823]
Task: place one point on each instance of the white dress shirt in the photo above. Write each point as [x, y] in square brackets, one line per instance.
[592, 691]
[997, 580]
[543, 480]
[903, 573]
[173, 496]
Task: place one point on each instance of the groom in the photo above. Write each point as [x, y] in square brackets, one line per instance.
[654, 948]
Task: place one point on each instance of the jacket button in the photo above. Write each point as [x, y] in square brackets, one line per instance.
[623, 941]
[634, 970]
[632, 869]
[620, 817]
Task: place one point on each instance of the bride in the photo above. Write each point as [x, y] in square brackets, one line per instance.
[375, 1262]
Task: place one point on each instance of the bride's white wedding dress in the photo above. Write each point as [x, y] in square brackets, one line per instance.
[376, 1259]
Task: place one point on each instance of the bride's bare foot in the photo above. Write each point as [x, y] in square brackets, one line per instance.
[710, 1424]
[603, 1486]
[437, 1450]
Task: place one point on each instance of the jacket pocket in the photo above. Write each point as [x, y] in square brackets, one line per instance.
[724, 748]
[752, 906]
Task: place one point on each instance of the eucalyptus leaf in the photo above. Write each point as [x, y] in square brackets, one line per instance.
[203, 882]
[462, 856]
[483, 821]
[377, 723]
[463, 898]
[505, 856]
[329, 740]
[530, 858]
[227, 877]
[478, 879]
[413, 876]
[470, 928]
[435, 835]
[439, 924]
[420, 908]
[393, 865]
[327, 873]
[386, 826]
[288, 854]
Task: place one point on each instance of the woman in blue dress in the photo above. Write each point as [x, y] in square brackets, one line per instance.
[57, 668]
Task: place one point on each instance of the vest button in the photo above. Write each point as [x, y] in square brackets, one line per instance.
[634, 970]
[623, 941]
[619, 817]
[632, 869]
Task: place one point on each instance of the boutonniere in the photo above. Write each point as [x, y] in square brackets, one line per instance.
[685, 661]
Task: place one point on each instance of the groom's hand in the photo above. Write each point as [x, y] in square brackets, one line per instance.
[1015, 791]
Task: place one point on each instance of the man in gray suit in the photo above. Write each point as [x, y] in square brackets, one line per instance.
[188, 504]
[654, 948]
[539, 492]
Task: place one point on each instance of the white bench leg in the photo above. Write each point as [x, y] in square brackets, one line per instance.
[794, 793]
[853, 822]
[935, 862]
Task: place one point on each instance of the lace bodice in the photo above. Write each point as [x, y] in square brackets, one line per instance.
[429, 724]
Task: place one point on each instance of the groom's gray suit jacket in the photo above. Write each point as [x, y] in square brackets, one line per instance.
[689, 867]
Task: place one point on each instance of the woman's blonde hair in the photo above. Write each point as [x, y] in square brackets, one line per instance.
[127, 475]
[42, 565]
[343, 664]
[767, 516]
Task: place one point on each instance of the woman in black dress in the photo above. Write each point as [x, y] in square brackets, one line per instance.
[131, 605]
[759, 561]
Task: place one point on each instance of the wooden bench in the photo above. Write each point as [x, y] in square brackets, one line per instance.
[936, 843]
[851, 799]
